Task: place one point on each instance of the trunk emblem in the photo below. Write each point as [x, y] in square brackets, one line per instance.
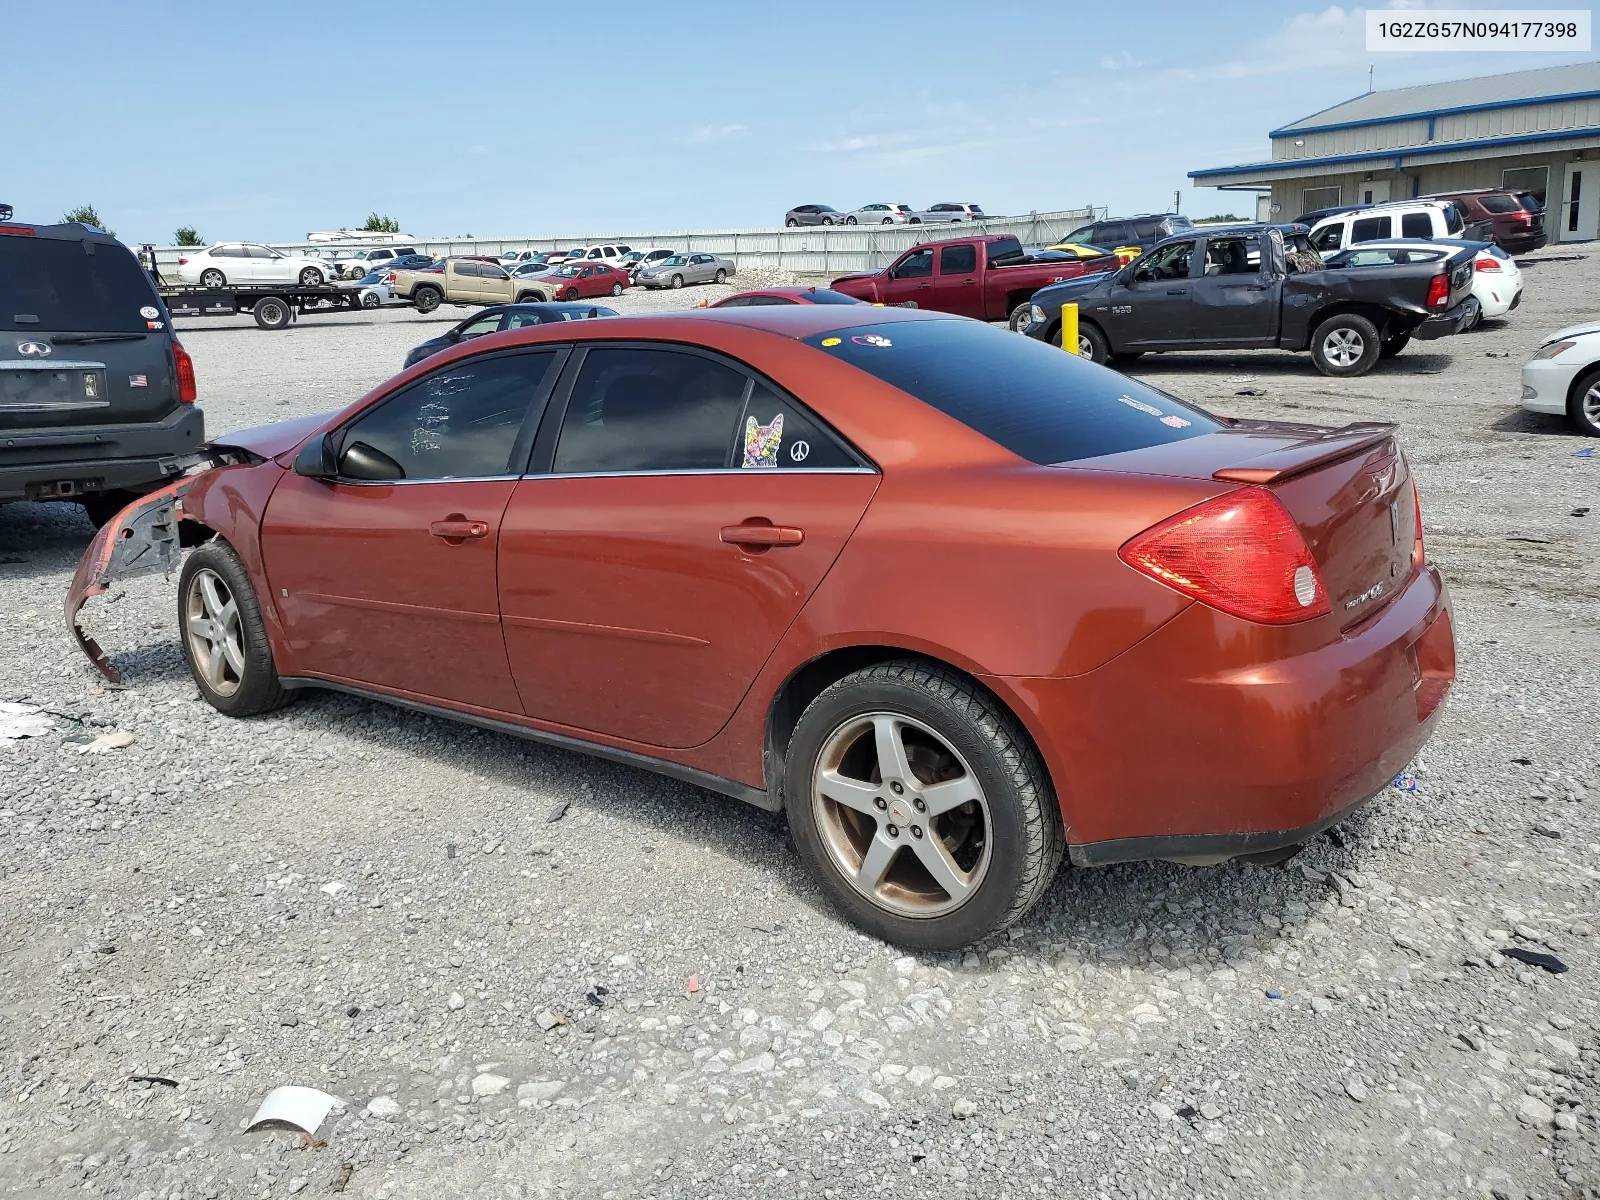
[33, 349]
[1372, 593]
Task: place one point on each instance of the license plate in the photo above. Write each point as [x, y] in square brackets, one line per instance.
[44, 391]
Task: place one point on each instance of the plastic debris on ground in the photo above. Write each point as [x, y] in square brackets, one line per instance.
[22, 721]
[119, 740]
[558, 812]
[300, 1108]
[1586, 452]
[1404, 782]
[1536, 958]
[1274, 994]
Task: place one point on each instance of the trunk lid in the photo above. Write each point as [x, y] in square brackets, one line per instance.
[84, 338]
[1348, 490]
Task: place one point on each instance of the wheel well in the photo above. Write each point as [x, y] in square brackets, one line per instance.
[1379, 316]
[815, 677]
[1015, 298]
[1579, 382]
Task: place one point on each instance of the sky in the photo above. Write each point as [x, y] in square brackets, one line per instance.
[264, 122]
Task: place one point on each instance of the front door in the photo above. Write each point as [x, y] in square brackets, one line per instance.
[686, 514]
[1150, 301]
[1236, 298]
[957, 287]
[911, 278]
[266, 266]
[1578, 213]
[385, 576]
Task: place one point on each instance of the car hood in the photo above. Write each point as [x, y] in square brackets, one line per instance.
[269, 441]
[1070, 290]
[1571, 331]
[858, 275]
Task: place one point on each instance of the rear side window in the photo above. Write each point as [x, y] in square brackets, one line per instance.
[650, 410]
[775, 432]
[58, 287]
[1452, 219]
[1417, 225]
[1499, 204]
[958, 260]
[1039, 403]
[1370, 229]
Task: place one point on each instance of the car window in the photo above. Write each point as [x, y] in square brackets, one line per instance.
[958, 260]
[1369, 258]
[458, 423]
[1370, 229]
[1496, 203]
[1233, 256]
[54, 286]
[1041, 404]
[1165, 263]
[1144, 230]
[1112, 234]
[518, 320]
[650, 410]
[1416, 225]
[260, 252]
[483, 325]
[752, 301]
[829, 296]
[1452, 219]
[1084, 235]
[915, 266]
[701, 258]
[1328, 237]
[228, 252]
[775, 432]
[490, 271]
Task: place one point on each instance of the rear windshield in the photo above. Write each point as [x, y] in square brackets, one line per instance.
[1500, 204]
[829, 296]
[46, 284]
[1041, 403]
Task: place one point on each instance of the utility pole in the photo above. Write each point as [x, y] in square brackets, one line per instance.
[1175, 197]
[1369, 78]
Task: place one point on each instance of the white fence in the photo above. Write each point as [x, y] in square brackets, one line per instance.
[814, 250]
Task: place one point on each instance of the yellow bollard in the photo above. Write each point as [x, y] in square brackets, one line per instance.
[1069, 328]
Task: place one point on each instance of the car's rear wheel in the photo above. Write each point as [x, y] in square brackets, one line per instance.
[426, 299]
[887, 221]
[920, 806]
[1345, 345]
[721, 276]
[791, 223]
[616, 289]
[311, 277]
[1583, 405]
[1393, 345]
[677, 282]
[224, 639]
[212, 278]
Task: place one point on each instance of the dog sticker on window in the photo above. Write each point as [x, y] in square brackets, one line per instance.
[761, 442]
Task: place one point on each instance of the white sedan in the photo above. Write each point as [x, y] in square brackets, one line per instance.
[232, 264]
[1496, 280]
[1563, 377]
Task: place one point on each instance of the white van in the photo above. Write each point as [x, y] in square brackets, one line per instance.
[1434, 219]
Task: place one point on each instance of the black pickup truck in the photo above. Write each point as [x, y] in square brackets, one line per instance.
[1238, 288]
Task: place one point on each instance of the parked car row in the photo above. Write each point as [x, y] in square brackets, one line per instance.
[1513, 220]
[882, 214]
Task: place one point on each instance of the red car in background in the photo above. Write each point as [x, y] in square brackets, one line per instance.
[797, 294]
[585, 280]
[957, 602]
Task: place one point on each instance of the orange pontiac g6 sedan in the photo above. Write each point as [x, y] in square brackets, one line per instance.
[955, 601]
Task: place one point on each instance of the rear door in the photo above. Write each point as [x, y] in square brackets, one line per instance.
[83, 342]
[682, 513]
[957, 287]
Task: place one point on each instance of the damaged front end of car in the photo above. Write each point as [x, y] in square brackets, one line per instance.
[147, 536]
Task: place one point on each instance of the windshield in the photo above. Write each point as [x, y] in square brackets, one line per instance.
[1042, 405]
[57, 286]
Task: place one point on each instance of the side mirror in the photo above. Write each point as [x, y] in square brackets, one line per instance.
[453, 336]
[317, 459]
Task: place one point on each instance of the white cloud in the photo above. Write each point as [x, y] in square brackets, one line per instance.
[709, 133]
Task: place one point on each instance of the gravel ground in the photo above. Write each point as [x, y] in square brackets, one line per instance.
[647, 997]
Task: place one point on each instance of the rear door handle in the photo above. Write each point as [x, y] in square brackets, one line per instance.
[458, 529]
[762, 536]
[924, 285]
[1177, 291]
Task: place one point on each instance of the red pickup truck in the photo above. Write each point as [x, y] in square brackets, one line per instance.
[989, 278]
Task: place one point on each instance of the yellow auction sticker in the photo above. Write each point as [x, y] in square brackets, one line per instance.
[831, 341]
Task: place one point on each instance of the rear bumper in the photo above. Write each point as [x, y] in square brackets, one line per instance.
[97, 458]
[1214, 737]
[1446, 323]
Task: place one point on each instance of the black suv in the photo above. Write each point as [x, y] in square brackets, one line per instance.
[96, 394]
[1142, 232]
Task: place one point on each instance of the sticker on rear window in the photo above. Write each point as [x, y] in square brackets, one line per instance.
[1176, 422]
[761, 442]
[1140, 405]
[872, 339]
[831, 342]
[149, 312]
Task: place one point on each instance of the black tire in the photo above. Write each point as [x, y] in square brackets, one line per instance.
[721, 276]
[257, 689]
[273, 312]
[1092, 343]
[914, 221]
[102, 506]
[311, 277]
[1582, 408]
[1345, 346]
[677, 282]
[1024, 834]
[426, 298]
[370, 300]
[887, 221]
[572, 293]
[849, 220]
[1018, 320]
[1393, 345]
[827, 220]
[791, 223]
[213, 278]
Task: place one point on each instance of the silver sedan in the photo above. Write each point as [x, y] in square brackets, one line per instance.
[680, 269]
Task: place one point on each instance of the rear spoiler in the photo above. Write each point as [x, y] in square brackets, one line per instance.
[1278, 465]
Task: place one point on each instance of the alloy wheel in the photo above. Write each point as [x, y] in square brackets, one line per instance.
[1591, 405]
[1085, 347]
[1343, 347]
[216, 638]
[902, 815]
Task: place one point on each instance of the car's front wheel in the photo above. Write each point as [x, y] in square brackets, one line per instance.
[677, 282]
[1583, 406]
[920, 806]
[616, 289]
[572, 293]
[311, 277]
[370, 300]
[849, 220]
[224, 638]
[1345, 345]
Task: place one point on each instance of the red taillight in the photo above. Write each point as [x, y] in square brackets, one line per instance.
[1525, 217]
[1240, 553]
[187, 391]
[17, 230]
[1482, 264]
[182, 261]
[1419, 553]
[1439, 291]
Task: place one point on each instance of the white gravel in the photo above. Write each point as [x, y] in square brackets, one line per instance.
[648, 998]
